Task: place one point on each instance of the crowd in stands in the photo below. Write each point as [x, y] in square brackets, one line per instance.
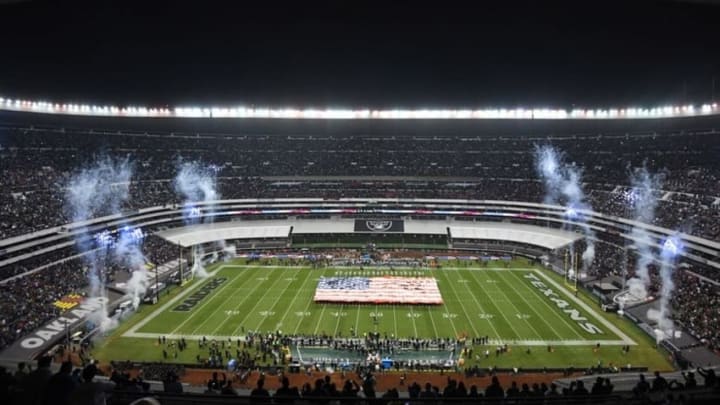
[35, 164]
[28, 301]
[81, 386]
[696, 304]
[159, 251]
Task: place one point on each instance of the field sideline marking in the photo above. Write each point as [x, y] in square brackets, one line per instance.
[587, 308]
[168, 304]
[491, 342]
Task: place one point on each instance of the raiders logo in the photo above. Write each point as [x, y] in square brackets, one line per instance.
[378, 226]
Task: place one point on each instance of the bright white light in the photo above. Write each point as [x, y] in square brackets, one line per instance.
[571, 213]
[667, 111]
[671, 247]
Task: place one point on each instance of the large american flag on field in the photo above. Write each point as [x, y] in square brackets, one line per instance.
[378, 290]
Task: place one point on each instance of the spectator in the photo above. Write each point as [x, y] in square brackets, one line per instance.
[91, 392]
[35, 383]
[260, 395]
[60, 386]
[494, 390]
[286, 393]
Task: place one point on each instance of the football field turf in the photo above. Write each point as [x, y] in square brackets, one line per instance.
[505, 304]
[519, 305]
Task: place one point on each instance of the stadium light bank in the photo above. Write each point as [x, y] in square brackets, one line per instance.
[45, 107]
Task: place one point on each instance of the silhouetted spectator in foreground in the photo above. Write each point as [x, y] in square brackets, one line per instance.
[60, 386]
[659, 383]
[286, 394]
[172, 384]
[494, 390]
[35, 383]
[709, 376]
[642, 387]
[228, 389]
[91, 392]
[260, 395]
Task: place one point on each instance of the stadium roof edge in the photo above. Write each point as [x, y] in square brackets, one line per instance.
[250, 112]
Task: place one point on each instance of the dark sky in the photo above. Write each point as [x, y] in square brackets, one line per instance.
[362, 54]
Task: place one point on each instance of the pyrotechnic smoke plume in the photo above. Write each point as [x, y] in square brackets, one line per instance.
[197, 184]
[643, 204]
[563, 186]
[94, 191]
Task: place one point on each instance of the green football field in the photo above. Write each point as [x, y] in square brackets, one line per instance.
[520, 305]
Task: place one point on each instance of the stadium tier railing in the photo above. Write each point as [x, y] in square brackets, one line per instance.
[696, 249]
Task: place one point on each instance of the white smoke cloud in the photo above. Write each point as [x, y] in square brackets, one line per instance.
[197, 184]
[97, 190]
[643, 202]
[672, 247]
[563, 186]
[198, 269]
[128, 253]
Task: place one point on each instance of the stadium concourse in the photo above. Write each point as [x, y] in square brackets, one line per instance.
[473, 182]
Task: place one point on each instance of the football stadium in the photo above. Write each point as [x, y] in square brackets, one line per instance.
[219, 252]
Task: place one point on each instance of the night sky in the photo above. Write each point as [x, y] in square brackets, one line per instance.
[362, 54]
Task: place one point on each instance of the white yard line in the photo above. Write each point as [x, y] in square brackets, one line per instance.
[337, 325]
[467, 316]
[375, 324]
[317, 326]
[198, 310]
[587, 308]
[181, 296]
[275, 301]
[433, 321]
[250, 312]
[518, 311]
[357, 321]
[412, 316]
[292, 303]
[395, 321]
[501, 312]
[219, 308]
[300, 319]
[170, 303]
[532, 308]
[480, 307]
[544, 300]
